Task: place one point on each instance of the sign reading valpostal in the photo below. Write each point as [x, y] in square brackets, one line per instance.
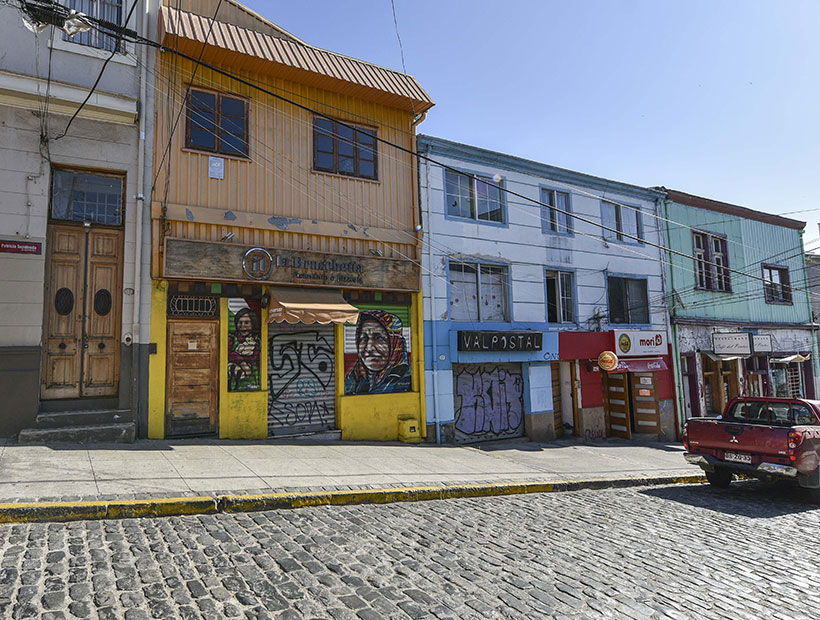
[200, 260]
[500, 341]
[633, 342]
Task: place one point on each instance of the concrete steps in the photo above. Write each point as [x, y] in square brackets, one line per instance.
[81, 426]
[124, 432]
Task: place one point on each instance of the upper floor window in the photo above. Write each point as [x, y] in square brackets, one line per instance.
[473, 197]
[344, 149]
[622, 221]
[711, 262]
[106, 10]
[556, 213]
[478, 292]
[86, 197]
[217, 123]
[628, 300]
[776, 285]
[560, 297]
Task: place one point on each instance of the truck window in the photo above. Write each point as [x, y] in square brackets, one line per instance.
[779, 414]
[803, 416]
[738, 413]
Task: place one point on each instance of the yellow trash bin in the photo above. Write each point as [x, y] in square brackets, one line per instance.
[409, 431]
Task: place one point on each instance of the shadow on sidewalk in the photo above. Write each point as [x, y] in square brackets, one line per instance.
[523, 444]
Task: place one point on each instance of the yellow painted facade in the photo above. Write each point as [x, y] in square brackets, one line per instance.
[275, 199]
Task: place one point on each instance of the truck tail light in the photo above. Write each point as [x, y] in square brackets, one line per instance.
[795, 439]
[685, 436]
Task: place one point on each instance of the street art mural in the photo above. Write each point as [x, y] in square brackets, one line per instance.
[489, 401]
[244, 339]
[300, 378]
[377, 354]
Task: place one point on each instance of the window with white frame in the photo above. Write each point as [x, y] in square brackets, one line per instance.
[560, 297]
[556, 213]
[106, 10]
[623, 222]
[711, 257]
[473, 197]
[628, 300]
[478, 292]
[776, 285]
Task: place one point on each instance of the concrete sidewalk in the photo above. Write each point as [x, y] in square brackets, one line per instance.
[186, 468]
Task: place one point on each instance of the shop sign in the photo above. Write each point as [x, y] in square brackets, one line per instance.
[762, 343]
[637, 342]
[221, 262]
[732, 343]
[21, 247]
[500, 341]
[607, 360]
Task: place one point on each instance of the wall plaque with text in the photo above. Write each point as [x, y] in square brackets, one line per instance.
[500, 341]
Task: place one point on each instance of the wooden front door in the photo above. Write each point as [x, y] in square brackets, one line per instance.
[192, 388]
[616, 401]
[645, 409]
[81, 356]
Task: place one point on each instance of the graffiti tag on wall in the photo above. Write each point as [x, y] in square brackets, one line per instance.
[301, 379]
[489, 402]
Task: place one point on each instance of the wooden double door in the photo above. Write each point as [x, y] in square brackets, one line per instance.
[83, 304]
[631, 402]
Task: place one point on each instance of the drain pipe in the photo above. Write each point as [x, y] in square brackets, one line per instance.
[428, 231]
[141, 202]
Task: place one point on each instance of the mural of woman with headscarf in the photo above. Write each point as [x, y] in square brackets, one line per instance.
[382, 366]
[243, 347]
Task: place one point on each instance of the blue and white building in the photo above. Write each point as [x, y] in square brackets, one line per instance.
[507, 268]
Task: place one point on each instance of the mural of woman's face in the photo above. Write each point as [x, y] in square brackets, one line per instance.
[374, 346]
[244, 325]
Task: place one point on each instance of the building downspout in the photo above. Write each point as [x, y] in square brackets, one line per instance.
[671, 329]
[432, 294]
[141, 202]
[814, 348]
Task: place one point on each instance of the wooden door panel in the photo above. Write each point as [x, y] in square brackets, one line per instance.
[63, 312]
[645, 403]
[617, 406]
[103, 311]
[193, 376]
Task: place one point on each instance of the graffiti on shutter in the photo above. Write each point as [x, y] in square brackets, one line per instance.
[489, 401]
[301, 380]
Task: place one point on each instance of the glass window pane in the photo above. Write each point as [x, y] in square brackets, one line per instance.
[233, 107]
[346, 149]
[203, 101]
[463, 292]
[233, 125]
[567, 297]
[202, 139]
[617, 300]
[233, 144]
[488, 202]
[457, 194]
[638, 302]
[609, 218]
[629, 218]
[346, 164]
[367, 169]
[562, 223]
[493, 293]
[324, 143]
[86, 197]
[553, 299]
[324, 161]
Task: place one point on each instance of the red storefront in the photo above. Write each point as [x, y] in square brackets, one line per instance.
[635, 400]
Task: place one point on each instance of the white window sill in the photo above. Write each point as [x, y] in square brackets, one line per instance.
[57, 43]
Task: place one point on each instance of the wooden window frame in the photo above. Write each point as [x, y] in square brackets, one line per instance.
[478, 267]
[561, 308]
[716, 278]
[627, 302]
[218, 124]
[473, 180]
[93, 172]
[786, 298]
[549, 197]
[356, 174]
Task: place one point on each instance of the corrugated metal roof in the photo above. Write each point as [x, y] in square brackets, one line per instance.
[294, 54]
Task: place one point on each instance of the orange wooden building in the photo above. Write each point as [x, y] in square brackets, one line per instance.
[285, 236]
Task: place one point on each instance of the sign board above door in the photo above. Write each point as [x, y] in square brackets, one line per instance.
[732, 343]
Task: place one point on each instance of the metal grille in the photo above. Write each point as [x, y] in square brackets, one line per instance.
[192, 307]
[301, 384]
[793, 378]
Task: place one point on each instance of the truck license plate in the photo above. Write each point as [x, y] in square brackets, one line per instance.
[737, 458]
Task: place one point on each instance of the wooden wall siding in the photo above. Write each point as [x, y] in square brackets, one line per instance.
[750, 244]
[277, 180]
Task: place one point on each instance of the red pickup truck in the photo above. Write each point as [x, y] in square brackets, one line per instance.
[767, 438]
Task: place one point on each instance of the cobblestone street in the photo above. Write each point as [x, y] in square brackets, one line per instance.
[657, 552]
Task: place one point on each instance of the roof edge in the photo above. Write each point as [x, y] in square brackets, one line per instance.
[476, 154]
[709, 204]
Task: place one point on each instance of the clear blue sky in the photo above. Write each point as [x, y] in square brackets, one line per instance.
[712, 97]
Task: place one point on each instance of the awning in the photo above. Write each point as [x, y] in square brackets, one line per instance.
[792, 358]
[722, 357]
[644, 365]
[309, 305]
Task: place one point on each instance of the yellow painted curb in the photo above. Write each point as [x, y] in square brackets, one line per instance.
[177, 506]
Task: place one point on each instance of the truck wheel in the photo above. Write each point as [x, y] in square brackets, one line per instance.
[720, 478]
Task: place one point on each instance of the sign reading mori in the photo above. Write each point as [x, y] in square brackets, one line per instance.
[500, 341]
[639, 342]
[732, 343]
[221, 262]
